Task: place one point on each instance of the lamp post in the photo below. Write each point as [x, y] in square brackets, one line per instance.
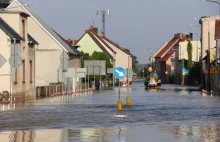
[149, 49]
[213, 1]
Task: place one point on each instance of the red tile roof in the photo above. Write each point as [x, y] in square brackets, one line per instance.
[93, 33]
[173, 42]
[167, 55]
[117, 46]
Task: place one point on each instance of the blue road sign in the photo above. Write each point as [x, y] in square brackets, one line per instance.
[119, 72]
[183, 69]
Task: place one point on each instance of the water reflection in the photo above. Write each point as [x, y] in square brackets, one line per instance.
[207, 132]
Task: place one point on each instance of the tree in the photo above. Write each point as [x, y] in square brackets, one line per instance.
[5, 1]
[189, 50]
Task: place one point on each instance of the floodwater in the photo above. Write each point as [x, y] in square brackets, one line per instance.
[169, 113]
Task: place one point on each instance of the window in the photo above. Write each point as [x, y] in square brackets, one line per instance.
[16, 76]
[31, 81]
[23, 81]
[23, 29]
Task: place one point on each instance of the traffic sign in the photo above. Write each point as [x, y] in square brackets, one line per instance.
[213, 70]
[109, 70]
[119, 73]
[2, 60]
[183, 69]
[15, 61]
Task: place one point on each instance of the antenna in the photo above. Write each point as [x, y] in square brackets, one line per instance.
[103, 12]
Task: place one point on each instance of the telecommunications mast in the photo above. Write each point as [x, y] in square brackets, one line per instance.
[103, 12]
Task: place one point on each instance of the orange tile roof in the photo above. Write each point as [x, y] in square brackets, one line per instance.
[167, 55]
[174, 41]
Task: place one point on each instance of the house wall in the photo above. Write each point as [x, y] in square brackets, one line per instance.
[87, 45]
[47, 53]
[22, 89]
[196, 50]
[5, 69]
[208, 25]
[156, 63]
[121, 59]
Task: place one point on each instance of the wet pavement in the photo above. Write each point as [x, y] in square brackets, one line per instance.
[169, 113]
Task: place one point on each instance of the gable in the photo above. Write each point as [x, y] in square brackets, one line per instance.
[90, 43]
[43, 25]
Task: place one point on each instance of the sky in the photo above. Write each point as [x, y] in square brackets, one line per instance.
[134, 24]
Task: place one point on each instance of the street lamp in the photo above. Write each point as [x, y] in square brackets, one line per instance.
[217, 2]
[149, 49]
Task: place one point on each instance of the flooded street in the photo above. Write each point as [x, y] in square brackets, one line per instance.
[169, 113]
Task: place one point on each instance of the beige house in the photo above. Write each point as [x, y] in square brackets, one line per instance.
[51, 46]
[16, 39]
[208, 33]
[90, 41]
[156, 61]
[182, 54]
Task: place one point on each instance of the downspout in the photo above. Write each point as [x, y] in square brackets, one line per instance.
[35, 50]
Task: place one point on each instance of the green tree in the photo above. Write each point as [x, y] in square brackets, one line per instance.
[189, 50]
[96, 56]
[5, 1]
[85, 56]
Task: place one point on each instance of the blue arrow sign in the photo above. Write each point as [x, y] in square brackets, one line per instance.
[119, 72]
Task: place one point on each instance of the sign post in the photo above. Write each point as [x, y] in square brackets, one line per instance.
[64, 65]
[96, 67]
[119, 73]
[15, 61]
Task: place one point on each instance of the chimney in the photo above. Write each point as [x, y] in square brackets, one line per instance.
[191, 36]
[103, 34]
[95, 30]
[74, 42]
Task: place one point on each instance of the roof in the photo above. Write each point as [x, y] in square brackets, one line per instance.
[45, 27]
[14, 12]
[166, 48]
[167, 55]
[99, 44]
[117, 46]
[98, 40]
[69, 44]
[30, 38]
[7, 29]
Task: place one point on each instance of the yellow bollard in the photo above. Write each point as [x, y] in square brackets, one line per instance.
[128, 101]
[119, 104]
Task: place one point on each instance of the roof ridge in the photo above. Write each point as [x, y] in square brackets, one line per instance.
[45, 27]
[113, 43]
[102, 41]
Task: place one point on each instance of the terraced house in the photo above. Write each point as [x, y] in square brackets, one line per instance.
[15, 39]
[51, 46]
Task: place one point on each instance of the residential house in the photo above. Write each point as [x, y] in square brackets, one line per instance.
[51, 46]
[163, 57]
[156, 61]
[182, 56]
[91, 41]
[16, 41]
[208, 36]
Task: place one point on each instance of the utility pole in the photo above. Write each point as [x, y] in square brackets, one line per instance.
[103, 13]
